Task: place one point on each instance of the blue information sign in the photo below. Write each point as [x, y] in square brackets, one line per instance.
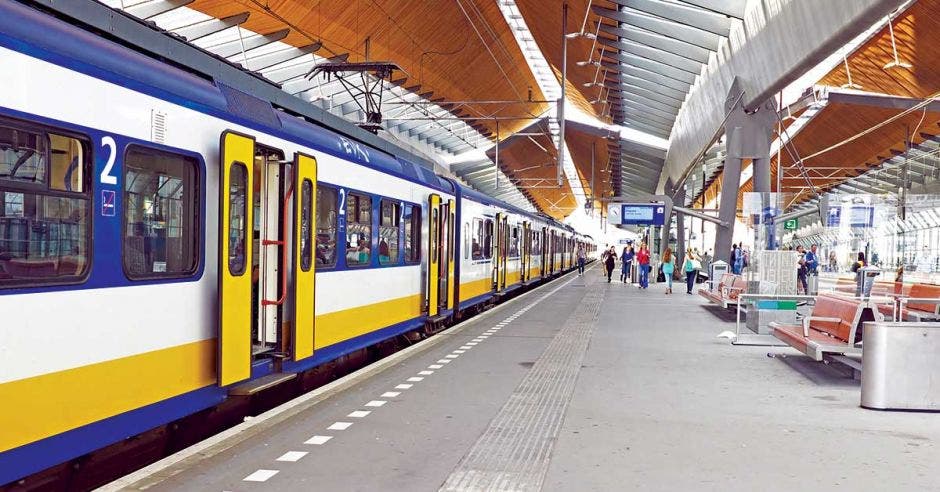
[642, 214]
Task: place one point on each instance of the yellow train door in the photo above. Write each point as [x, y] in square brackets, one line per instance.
[235, 254]
[434, 255]
[304, 249]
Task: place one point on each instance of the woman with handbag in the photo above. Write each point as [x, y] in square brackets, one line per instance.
[691, 266]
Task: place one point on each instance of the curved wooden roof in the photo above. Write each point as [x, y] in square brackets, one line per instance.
[433, 41]
[915, 37]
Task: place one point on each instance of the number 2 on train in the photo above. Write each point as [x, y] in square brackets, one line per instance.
[106, 176]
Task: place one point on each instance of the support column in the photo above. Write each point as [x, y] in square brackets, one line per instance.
[679, 199]
[664, 232]
[748, 135]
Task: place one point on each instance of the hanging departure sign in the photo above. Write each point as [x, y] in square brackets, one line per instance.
[645, 214]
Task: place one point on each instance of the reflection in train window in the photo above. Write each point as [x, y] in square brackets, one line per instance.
[237, 218]
[536, 247]
[160, 207]
[466, 240]
[514, 243]
[358, 229]
[44, 207]
[388, 232]
[477, 248]
[326, 226]
[488, 239]
[412, 219]
[306, 193]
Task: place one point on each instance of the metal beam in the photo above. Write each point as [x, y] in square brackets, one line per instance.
[651, 53]
[662, 26]
[731, 8]
[618, 71]
[682, 14]
[756, 55]
[146, 10]
[653, 66]
[198, 30]
[268, 60]
[233, 48]
[649, 38]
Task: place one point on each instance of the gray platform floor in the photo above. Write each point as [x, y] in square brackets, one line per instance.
[655, 402]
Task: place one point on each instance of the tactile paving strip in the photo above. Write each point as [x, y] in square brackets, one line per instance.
[515, 451]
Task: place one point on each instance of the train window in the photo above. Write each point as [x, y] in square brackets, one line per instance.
[514, 243]
[358, 230]
[161, 198]
[477, 248]
[326, 226]
[412, 219]
[306, 194]
[535, 243]
[488, 239]
[435, 240]
[388, 232]
[237, 218]
[44, 225]
[466, 240]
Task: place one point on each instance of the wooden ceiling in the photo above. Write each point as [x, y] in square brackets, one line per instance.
[544, 21]
[915, 34]
[432, 41]
[530, 161]
[580, 143]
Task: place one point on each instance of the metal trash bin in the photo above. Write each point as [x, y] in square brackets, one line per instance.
[716, 270]
[900, 367]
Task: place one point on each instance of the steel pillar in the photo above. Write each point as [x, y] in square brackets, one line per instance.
[679, 198]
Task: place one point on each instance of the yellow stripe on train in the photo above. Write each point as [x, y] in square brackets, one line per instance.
[42, 406]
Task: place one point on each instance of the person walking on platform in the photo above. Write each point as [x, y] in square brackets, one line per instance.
[737, 260]
[669, 268]
[801, 270]
[582, 257]
[860, 263]
[833, 262]
[609, 262]
[626, 262]
[691, 265]
[643, 260]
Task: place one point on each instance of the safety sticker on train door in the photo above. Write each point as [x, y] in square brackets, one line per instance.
[107, 203]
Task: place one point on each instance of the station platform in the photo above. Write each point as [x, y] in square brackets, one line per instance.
[577, 385]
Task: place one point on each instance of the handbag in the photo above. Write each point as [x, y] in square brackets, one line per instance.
[696, 265]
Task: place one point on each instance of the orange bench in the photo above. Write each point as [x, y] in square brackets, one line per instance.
[834, 327]
[922, 310]
[726, 293]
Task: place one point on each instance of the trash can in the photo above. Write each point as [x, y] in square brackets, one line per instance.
[715, 271]
[900, 367]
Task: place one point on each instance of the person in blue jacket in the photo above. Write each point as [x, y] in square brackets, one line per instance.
[626, 262]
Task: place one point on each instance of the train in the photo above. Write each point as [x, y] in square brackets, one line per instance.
[166, 240]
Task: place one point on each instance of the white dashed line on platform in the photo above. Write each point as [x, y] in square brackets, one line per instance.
[358, 414]
[415, 379]
[466, 347]
[318, 440]
[260, 476]
[425, 373]
[376, 403]
[403, 386]
[452, 356]
[458, 351]
[435, 366]
[339, 426]
[292, 456]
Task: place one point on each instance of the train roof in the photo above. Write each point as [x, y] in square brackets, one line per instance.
[62, 43]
